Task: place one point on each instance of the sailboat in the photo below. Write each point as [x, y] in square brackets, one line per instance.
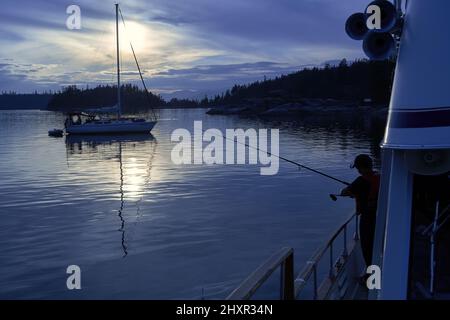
[120, 125]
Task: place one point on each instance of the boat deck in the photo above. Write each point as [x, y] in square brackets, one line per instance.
[340, 280]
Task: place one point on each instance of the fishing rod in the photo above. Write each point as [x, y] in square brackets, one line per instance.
[289, 161]
[334, 197]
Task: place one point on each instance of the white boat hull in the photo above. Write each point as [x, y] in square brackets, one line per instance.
[112, 127]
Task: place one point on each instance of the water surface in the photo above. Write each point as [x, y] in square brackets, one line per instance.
[141, 227]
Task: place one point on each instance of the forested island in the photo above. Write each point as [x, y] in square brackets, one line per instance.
[134, 99]
[362, 83]
[13, 100]
[73, 98]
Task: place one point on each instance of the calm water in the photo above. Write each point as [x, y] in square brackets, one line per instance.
[142, 227]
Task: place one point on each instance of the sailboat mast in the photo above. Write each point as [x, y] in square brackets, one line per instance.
[119, 104]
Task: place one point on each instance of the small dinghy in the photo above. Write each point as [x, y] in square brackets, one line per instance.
[56, 133]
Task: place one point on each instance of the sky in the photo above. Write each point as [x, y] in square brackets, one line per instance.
[186, 48]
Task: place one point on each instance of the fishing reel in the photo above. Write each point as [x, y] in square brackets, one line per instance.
[379, 27]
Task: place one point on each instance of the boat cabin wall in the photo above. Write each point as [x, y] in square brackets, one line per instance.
[397, 197]
[419, 113]
[410, 194]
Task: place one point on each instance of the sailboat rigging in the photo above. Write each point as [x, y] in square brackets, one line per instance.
[121, 125]
[147, 94]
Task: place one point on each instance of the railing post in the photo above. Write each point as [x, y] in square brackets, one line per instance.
[284, 259]
[315, 282]
[356, 227]
[331, 273]
[287, 278]
[334, 266]
[345, 254]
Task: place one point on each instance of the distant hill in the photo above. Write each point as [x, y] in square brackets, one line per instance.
[11, 101]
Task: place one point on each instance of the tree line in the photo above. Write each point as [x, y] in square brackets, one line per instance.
[362, 79]
[133, 99]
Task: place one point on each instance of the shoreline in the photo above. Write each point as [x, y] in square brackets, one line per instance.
[305, 107]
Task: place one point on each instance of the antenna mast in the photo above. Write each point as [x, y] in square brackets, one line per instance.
[119, 104]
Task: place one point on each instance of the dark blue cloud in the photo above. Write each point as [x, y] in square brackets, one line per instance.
[239, 33]
[213, 79]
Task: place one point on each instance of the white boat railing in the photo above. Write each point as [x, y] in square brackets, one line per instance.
[284, 259]
[291, 288]
[335, 261]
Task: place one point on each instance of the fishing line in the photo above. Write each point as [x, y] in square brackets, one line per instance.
[245, 144]
[289, 161]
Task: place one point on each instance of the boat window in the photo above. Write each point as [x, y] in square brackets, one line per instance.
[429, 268]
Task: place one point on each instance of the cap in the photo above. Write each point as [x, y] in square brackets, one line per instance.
[362, 160]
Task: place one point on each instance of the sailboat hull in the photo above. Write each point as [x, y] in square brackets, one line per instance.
[111, 127]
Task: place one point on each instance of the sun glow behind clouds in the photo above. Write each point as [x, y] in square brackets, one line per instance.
[167, 35]
[88, 56]
[137, 34]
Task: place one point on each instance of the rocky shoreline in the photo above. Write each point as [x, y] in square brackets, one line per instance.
[273, 108]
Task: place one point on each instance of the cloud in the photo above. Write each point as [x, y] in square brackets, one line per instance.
[186, 46]
[230, 73]
[12, 79]
[197, 81]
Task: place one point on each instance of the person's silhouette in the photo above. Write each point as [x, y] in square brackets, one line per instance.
[365, 191]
